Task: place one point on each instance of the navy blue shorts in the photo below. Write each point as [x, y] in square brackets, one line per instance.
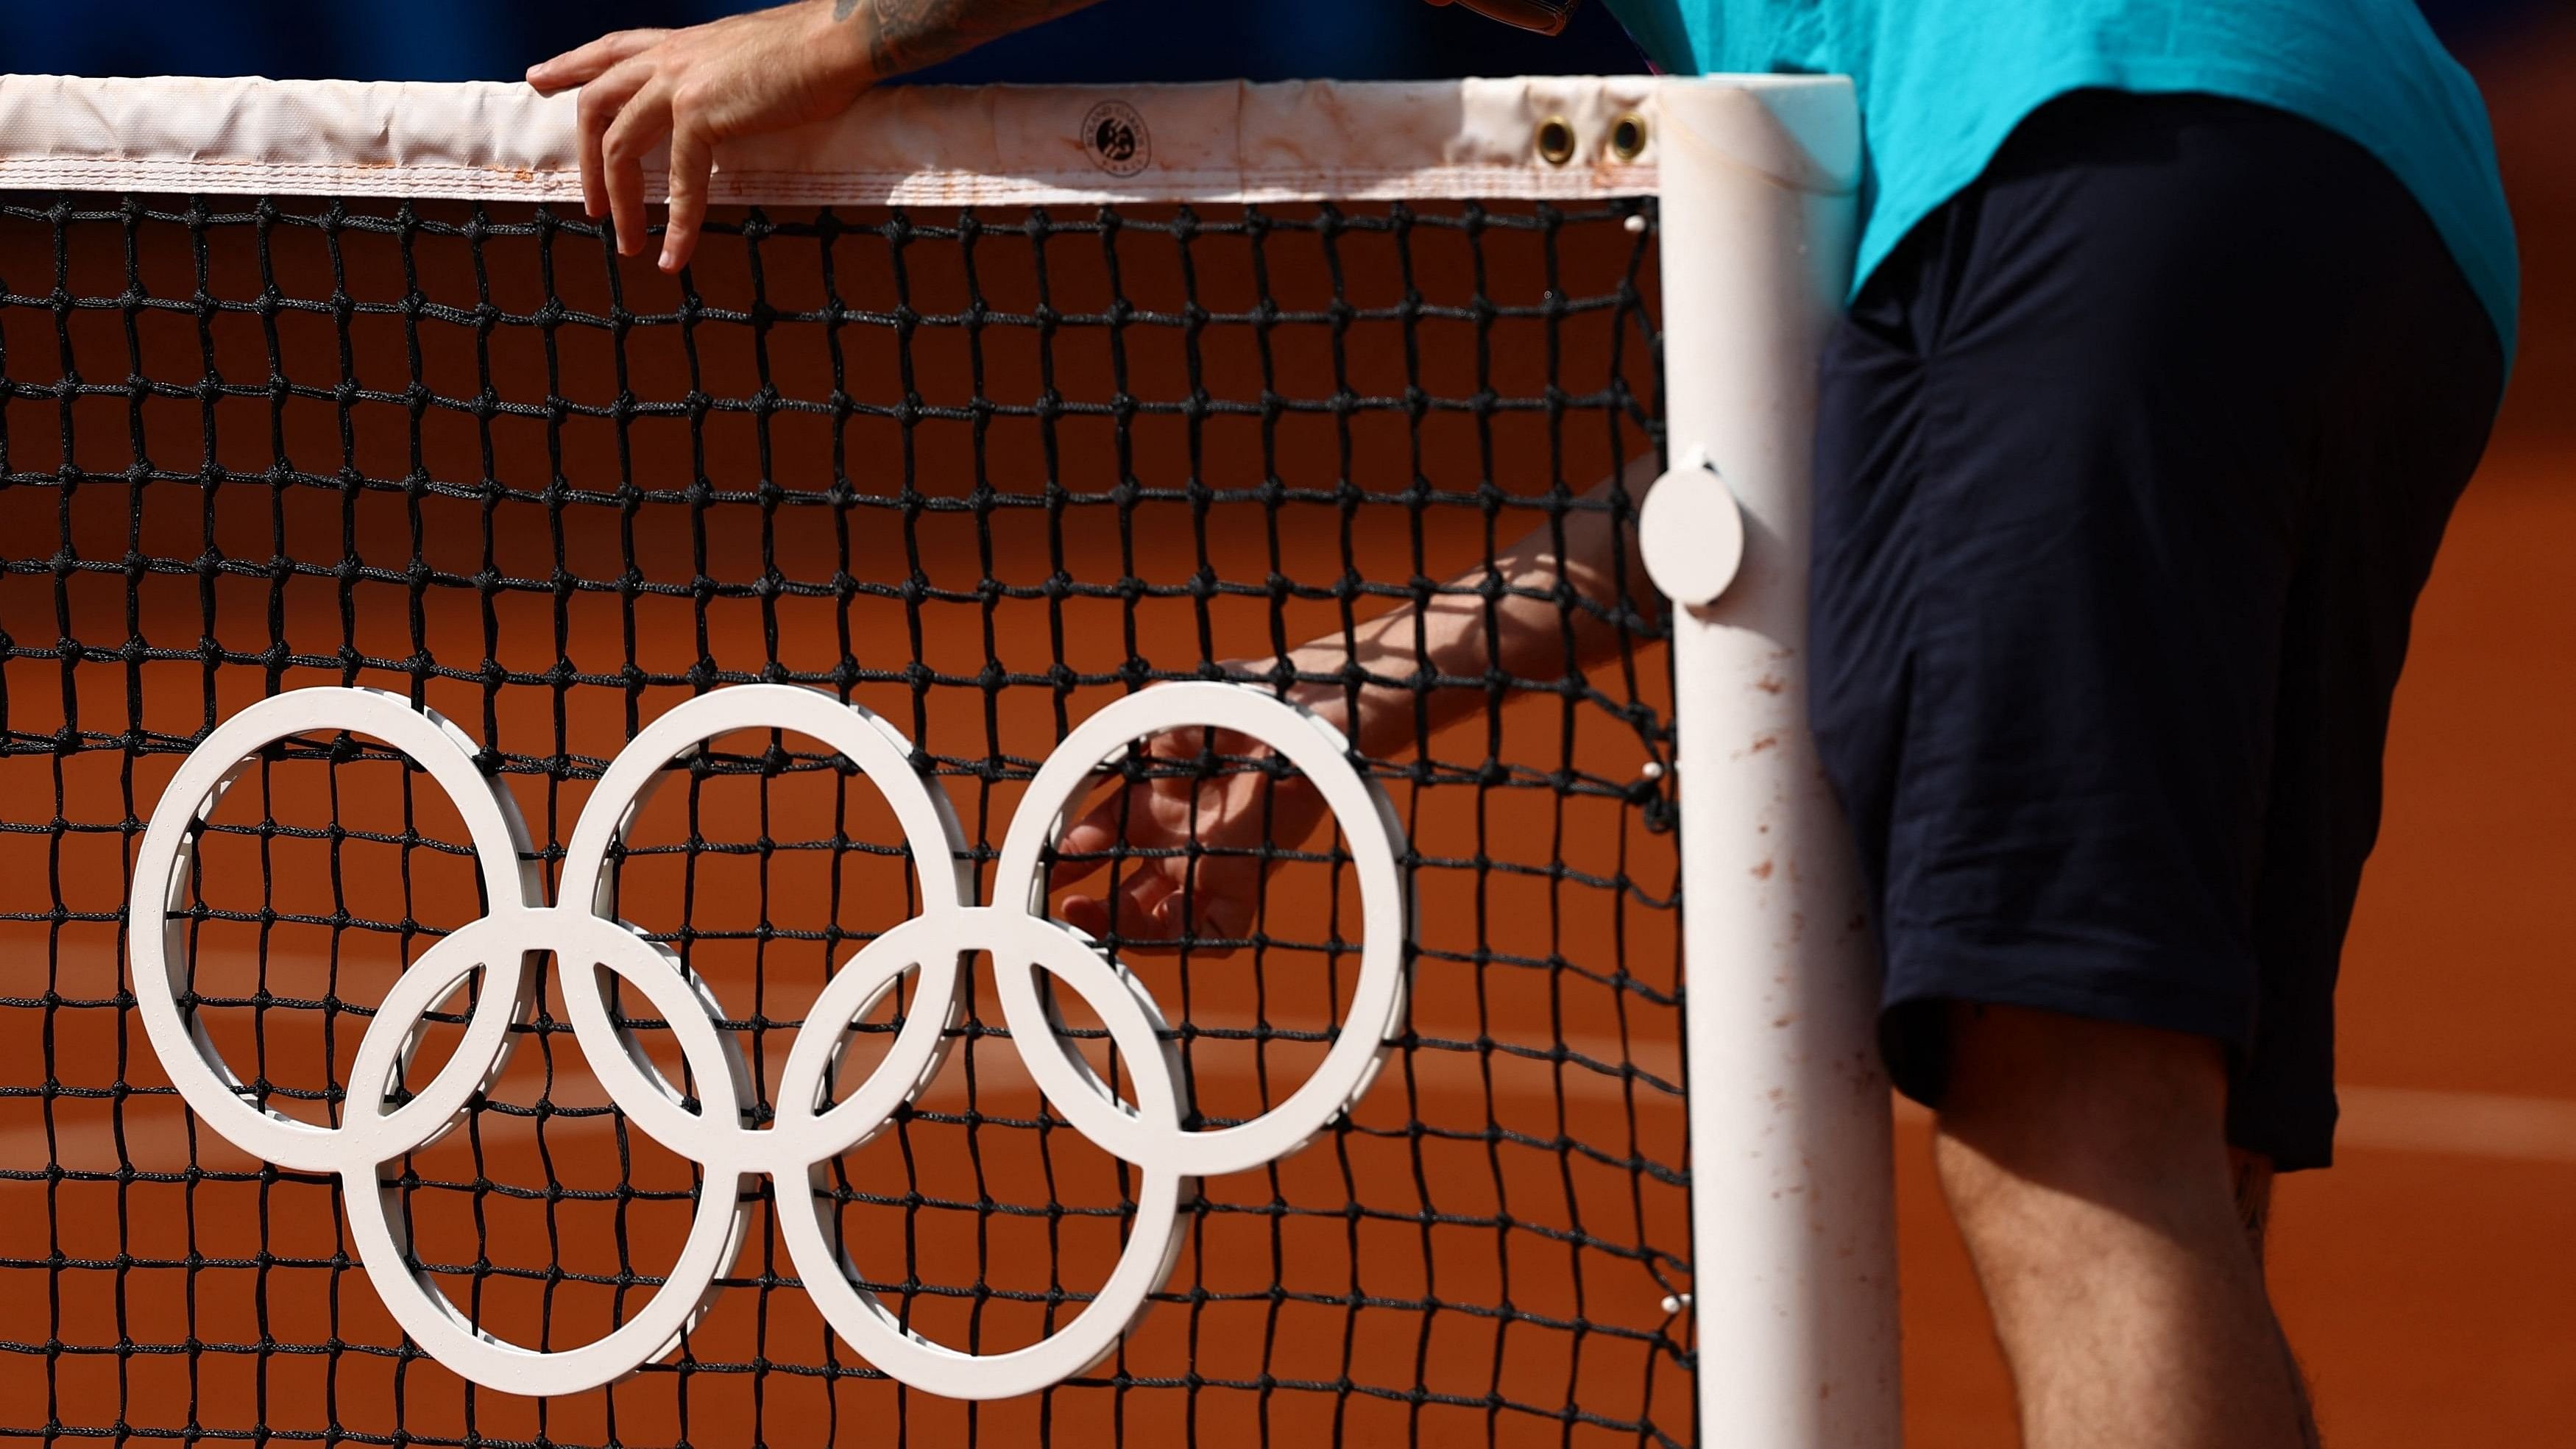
[2131, 463]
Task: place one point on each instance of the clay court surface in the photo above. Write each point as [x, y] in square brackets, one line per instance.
[1497, 1284]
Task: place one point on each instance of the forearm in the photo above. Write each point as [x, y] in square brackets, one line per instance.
[908, 35]
[1459, 635]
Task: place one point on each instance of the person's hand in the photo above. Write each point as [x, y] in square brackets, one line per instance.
[1230, 806]
[764, 71]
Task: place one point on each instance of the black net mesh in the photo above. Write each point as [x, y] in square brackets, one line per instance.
[979, 472]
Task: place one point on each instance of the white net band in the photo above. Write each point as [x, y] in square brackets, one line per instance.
[1233, 141]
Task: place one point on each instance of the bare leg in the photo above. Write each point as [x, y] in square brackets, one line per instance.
[2253, 1177]
[2117, 1241]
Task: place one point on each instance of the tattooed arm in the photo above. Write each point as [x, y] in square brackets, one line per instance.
[743, 75]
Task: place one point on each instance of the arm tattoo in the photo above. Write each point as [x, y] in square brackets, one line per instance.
[910, 34]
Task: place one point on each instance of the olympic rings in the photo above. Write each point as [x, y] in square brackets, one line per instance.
[805, 1135]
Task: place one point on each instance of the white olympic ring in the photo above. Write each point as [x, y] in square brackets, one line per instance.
[804, 1137]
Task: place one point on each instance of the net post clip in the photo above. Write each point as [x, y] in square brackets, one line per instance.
[1691, 531]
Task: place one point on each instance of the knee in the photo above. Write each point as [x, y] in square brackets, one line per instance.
[2048, 1122]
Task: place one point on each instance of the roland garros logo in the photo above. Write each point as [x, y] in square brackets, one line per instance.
[1114, 137]
[808, 1130]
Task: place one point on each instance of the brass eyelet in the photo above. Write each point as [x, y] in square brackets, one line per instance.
[1628, 136]
[1555, 140]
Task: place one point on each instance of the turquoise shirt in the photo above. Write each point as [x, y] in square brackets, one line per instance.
[1942, 82]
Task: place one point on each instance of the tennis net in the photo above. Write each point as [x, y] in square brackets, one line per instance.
[1026, 404]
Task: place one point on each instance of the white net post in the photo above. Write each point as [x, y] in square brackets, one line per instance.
[1792, 1214]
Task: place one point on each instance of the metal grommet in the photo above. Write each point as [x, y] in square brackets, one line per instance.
[1555, 139]
[1628, 136]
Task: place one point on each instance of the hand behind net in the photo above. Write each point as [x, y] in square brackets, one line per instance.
[1186, 846]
